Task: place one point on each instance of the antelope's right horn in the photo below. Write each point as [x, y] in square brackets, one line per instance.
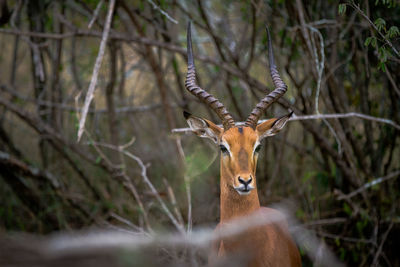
[192, 87]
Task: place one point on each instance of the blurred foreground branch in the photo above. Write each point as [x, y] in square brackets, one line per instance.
[62, 246]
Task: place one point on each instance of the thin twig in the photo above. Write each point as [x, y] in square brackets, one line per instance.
[95, 13]
[347, 115]
[370, 184]
[127, 222]
[345, 238]
[172, 199]
[10, 162]
[379, 251]
[127, 182]
[394, 85]
[99, 59]
[146, 180]
[162, 12]
[153, 189]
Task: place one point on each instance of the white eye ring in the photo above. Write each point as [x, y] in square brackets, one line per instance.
[224, 150]
[257, 147]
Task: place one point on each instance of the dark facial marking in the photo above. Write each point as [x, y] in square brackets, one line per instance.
[243, 160]
[240, 130]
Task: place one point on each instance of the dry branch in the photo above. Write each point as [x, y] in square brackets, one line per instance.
[97, 65]
[146, 179]
[162, 12]
[8, 161]
[321, 116]
[95, 13]
[370, 184]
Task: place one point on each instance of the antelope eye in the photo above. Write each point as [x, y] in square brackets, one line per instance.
[223, 149]
[257, 149]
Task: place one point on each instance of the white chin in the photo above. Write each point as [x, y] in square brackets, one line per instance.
[243, 193]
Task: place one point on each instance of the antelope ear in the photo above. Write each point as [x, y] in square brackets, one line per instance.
[272, 126]
[203, 128]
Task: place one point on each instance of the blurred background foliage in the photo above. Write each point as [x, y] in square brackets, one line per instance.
[344, 55]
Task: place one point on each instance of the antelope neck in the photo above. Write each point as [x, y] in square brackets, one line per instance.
[233, 205]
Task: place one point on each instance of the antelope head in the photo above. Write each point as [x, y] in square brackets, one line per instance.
[239, 143]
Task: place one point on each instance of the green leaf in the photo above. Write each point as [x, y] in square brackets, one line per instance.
[342, 253]
[361, 225]
[371, 41]
[342, 9]
[347, 209]
[380, 23]
[389, 3]
[393, 32]
[368, 41]
[98, 159]
[382, 54]
[382, 66]
[374, 42]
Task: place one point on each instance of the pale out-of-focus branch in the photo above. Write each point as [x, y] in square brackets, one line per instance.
[322, 116]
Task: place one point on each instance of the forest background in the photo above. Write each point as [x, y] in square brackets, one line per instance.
[135, 168]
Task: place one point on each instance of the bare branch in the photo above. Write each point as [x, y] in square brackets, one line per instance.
[379, 251]
[172, 199]
[320, 116]
[95, 13]
[347, 115]
[146, 180]
[162, 12]
[6, 160]
[370, 184]
[99, 59]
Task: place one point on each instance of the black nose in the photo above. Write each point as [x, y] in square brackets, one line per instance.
[246, 183]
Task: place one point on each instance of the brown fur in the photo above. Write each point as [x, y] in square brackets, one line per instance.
[267, 245]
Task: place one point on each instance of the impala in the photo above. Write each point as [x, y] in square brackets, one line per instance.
[270, 244]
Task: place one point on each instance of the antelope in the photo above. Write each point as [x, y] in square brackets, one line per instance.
[268, 245]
